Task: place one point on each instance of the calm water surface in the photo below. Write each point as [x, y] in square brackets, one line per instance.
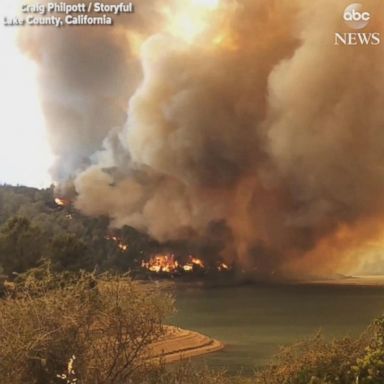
[253, 321]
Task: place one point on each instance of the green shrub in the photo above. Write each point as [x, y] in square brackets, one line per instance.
[316, 361]
[369, 368]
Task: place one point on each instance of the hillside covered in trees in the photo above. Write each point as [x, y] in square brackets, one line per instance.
[34, 227]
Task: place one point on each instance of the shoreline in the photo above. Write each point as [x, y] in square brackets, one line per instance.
[180, 344]
[353, 281]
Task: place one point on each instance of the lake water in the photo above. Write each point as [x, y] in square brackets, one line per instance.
[253, 321]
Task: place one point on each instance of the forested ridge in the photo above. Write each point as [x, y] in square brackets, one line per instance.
[35, 228]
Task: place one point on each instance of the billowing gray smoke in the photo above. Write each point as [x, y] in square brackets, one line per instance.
[251, 127]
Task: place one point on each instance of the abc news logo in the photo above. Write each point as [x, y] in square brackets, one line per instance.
[356, 18]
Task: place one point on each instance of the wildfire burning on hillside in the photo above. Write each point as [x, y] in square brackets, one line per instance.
[168, 264]
[118, 241]
[162, 263]
[235, 140]
[61, 202]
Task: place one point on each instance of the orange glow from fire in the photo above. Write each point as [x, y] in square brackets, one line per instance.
[188, 268]
[123, 247]
[193, 262]
[60, 202]
[161, 263]
[223, 267]
[119, 242]
[198, 262]
[167, 263]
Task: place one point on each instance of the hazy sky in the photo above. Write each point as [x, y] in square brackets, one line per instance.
[24, 152]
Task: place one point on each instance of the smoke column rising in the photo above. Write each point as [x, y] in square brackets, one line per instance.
[237, 121]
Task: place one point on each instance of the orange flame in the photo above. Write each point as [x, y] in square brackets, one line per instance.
[161, 263]
[198, 262]
[223, 267]
[119, 242]
[60, 202]
[168, 264]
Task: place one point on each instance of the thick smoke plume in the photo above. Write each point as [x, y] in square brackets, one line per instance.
[236, 126]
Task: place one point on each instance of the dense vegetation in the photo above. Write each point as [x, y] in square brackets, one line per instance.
[34, 228]
[102, 326]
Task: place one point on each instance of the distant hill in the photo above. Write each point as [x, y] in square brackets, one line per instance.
[62, 234]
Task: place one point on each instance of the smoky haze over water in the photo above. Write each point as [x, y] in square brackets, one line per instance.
[250, 133]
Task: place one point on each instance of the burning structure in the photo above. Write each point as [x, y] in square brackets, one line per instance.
[212, 122]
